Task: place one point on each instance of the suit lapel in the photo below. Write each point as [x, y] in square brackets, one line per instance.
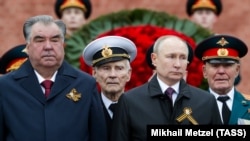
[26, 77]
[65, 77]
[60, 84]
[28, 80]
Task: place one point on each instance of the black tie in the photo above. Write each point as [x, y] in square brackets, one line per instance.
[112, 107]
[225, 110]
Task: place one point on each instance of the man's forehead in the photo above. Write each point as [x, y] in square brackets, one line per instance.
[42, 30]
[173, 46]
[36, 36]
[116, 63]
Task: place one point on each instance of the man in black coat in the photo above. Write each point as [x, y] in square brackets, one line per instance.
[154, 103]
[68, 110]
[110, 57]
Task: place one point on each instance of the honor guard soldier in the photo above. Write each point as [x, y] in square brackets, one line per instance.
[13, 59]
[204, 12]
[221, 55]
[110, 57]
[74, 13]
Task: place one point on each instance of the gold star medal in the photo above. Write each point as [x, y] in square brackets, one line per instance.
[187, 115]
[74, 95]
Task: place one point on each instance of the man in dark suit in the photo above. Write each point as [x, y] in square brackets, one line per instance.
[33, 110]
[221, 56]
[110, 57]
[165, 98]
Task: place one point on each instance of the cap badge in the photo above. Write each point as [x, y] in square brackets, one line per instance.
[222, 42]
[187, 111]
[222, 52]
[106, 51]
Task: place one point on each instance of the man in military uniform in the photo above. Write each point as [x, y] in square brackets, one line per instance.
[13, 59]
[110, 57]
[221, 55]
[204, 12]
[73, 13]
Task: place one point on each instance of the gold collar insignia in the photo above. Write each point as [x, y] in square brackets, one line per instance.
[187, 114]
[74, 95]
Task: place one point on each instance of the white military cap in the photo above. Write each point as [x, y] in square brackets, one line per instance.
[108, 49]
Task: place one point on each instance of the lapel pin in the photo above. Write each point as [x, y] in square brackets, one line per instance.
[187, 115]
[244, 102]
[74, 95]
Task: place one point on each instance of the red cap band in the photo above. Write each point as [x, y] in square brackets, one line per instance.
[220, 52]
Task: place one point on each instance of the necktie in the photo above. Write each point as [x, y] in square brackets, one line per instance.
[47, 84]
[169, 92]
[112, 107]
[225, 110]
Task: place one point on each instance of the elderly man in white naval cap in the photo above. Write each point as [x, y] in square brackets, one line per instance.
[110, 57]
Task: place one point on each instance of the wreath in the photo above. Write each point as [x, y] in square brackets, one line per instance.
[143, 27]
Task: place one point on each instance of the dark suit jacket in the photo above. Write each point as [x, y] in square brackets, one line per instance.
[108, 121]
[25, 114]
[146, 105]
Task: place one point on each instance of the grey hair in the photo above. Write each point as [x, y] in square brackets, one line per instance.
[46, 20]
